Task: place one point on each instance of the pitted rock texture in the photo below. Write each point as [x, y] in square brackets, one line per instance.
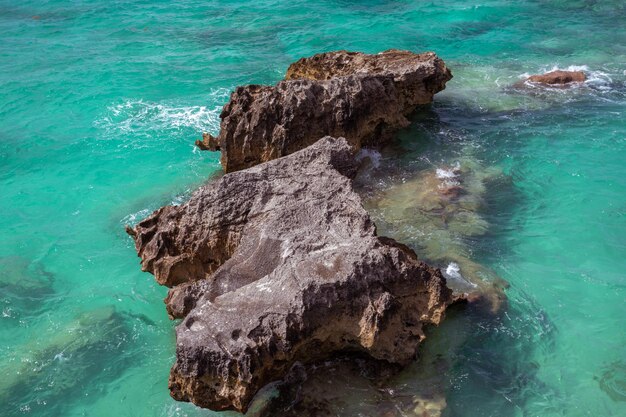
[363, 98]
[558, 77]
[280, 264]
[417, 77]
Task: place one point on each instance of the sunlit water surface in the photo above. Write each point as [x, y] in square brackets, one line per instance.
[100, 102]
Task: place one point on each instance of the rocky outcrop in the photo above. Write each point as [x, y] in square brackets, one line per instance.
[363, 98]
[279, 264]
[558, 77]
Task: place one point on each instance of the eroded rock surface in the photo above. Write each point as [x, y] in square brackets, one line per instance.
[558, 77]
[279, 264]
[361, 97]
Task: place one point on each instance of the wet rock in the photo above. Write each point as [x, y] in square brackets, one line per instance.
[558, 77]
[279, 264]
[208, 143]
[363, 98]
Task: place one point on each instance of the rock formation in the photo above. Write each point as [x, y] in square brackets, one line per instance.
[363, 98]
[559, 77]
[279, 264]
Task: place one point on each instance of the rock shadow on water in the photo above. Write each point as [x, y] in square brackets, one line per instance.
[493, 365]
[43, 376]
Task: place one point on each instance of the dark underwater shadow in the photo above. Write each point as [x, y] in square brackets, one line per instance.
[26, 290]
[59, 368]
[494, 372]
[473, 360]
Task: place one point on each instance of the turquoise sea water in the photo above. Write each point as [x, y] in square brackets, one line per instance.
[100, 102]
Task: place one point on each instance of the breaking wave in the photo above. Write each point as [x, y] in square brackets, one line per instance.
[596, 79]
[147, 118]
[373, 156]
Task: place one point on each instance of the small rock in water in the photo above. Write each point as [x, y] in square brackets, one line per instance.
[558, 77]
[208, 143]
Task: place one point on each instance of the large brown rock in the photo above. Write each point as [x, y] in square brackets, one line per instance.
[558, 77]
[363, 98]
[279, 264]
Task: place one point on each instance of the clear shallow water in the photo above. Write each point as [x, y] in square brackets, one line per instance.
[100, 103]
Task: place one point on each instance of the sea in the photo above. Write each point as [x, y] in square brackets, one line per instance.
[100, 104]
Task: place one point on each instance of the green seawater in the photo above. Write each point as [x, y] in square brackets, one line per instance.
[100, 102]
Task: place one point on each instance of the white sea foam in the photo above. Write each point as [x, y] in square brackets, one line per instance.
[597, 79]
[450, 173]
[370, 154]
[146, 118]
[449, 176]
[134, 218]
[453, 271]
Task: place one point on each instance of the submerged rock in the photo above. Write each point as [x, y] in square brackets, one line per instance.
[47, 371]
[354, 387]
[280, 264]
[25, 288]
[363, 98]
[613, 380]
[558, 77]
[436, 211]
